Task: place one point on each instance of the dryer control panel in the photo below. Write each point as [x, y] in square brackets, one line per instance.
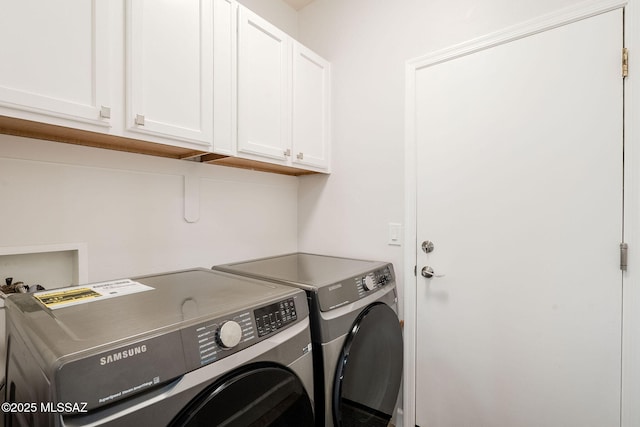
[355, 288]
[372, 281]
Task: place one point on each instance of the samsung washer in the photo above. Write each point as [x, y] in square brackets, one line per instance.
[357, 338]
[187, 348]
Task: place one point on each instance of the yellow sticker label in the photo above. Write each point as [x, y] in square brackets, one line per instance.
[73, 295]
[51, 299]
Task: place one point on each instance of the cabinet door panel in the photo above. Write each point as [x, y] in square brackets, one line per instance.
[263, 90]
[224, 76]
[311, 88]
[170, 69]
[54, 58]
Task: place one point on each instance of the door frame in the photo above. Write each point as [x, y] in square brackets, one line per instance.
[631, 292]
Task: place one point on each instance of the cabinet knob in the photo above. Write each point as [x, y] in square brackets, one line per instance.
[105, 112]
[300, 156]
[139, 119]
[287, 152]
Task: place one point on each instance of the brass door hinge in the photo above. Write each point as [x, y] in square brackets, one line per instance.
[625, 62]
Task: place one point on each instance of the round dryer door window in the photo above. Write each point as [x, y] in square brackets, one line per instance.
[258, 395]
[369, 370]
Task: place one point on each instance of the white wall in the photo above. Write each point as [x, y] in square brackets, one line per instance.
[129, 208]
[276, 12]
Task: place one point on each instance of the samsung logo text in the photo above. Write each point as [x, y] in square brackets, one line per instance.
[120, 355]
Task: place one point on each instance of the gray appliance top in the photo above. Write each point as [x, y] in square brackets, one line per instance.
[177, 299]
[309, 271]
[332, 282]
[127, 344]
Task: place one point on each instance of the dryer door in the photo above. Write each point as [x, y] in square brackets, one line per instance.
[369, 370]
[257, 395]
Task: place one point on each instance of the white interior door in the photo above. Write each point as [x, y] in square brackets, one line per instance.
[519, 187]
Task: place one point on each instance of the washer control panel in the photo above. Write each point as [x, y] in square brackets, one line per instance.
[210, 341]
[215, 338]
[275, 316]
[229, 334]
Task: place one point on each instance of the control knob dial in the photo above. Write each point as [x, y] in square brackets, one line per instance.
[229, 334]
[369, 282]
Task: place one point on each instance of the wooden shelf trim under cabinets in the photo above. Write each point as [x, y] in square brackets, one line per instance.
[44, 131]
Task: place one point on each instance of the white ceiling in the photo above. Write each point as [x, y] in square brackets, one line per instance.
[297, 4]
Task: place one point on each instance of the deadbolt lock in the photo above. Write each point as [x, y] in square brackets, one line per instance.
[427, 246]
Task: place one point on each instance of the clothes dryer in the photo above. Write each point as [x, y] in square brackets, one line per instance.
[188, 348]
[357, 338]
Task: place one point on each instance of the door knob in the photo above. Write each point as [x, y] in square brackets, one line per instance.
[429, 273]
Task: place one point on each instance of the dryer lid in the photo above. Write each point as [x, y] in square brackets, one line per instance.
[312, 270]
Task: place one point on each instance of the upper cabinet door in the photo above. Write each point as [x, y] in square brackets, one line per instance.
[311, 108]
[264, 94]
[224, 76]
[170, 69]
[55, 61]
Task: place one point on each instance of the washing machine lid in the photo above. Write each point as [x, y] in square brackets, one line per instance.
[332, 281]
[168, 301]
[127, 344]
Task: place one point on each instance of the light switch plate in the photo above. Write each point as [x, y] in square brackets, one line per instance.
[395, 234]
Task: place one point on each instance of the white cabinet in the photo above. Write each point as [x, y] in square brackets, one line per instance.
[189, 77]
[264, 92]
[311, 107]
[170, 70]
[283, 97]
[224, 76]
[55, 62]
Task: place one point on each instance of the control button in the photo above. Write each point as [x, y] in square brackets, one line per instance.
[229, 334]
[383, 280]
[368, 282]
